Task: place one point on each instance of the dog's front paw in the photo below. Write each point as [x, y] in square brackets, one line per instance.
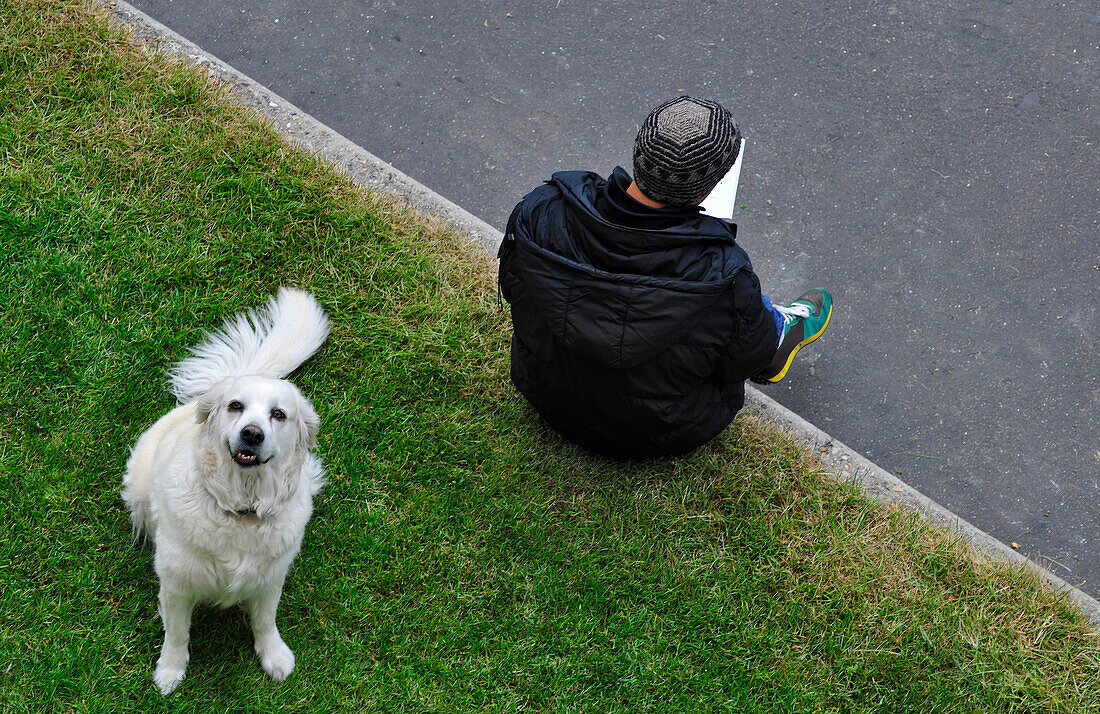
[167, 678]
[277, 659]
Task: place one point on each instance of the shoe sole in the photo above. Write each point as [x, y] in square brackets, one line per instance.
[800, 345]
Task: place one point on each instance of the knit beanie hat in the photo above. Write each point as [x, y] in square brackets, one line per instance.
[684, 148]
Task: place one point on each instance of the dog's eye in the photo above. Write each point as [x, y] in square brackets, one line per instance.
[278, 414]
[235, 406]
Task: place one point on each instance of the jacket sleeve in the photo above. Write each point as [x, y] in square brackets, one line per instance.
[508, 277]
[521, 226]
[757, 338]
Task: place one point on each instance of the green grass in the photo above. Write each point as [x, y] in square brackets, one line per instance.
[462, 557]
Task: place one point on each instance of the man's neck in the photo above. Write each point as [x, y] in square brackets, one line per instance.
[636, 193]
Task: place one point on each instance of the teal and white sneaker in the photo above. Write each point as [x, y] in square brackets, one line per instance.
[805, 320]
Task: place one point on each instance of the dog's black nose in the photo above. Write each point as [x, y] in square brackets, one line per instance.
[252, 435]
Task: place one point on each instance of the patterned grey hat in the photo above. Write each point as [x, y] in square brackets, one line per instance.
[684, 148]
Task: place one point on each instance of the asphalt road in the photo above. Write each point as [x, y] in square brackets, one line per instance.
[935, 165]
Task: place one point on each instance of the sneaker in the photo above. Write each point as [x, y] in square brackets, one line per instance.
[805, 320]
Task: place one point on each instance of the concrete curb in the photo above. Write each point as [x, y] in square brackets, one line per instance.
[369, 171]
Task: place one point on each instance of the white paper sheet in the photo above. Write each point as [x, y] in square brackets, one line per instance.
[723, 199]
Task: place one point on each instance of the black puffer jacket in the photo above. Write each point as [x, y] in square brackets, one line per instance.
[634, 328]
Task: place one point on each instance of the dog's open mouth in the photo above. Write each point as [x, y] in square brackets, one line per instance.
[245, 458]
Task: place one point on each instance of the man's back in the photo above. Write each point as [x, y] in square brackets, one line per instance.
[635, 327]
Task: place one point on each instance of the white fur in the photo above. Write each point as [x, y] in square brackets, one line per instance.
[225, 510]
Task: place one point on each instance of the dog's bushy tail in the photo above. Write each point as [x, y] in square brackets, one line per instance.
[271, 342]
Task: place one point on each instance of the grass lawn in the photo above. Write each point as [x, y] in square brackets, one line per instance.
[461, 557]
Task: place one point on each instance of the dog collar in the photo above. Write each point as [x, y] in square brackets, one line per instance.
[232, 512]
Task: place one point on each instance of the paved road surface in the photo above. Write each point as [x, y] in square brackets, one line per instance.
[934, 164]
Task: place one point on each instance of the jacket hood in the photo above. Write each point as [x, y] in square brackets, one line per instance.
[582, 189]
[616, 294]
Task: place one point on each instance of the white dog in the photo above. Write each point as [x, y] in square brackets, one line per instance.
[223, 485]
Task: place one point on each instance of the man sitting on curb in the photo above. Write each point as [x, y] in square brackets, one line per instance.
[636, 318]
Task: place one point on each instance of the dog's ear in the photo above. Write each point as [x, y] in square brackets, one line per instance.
[309, 423]
[208, 403]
